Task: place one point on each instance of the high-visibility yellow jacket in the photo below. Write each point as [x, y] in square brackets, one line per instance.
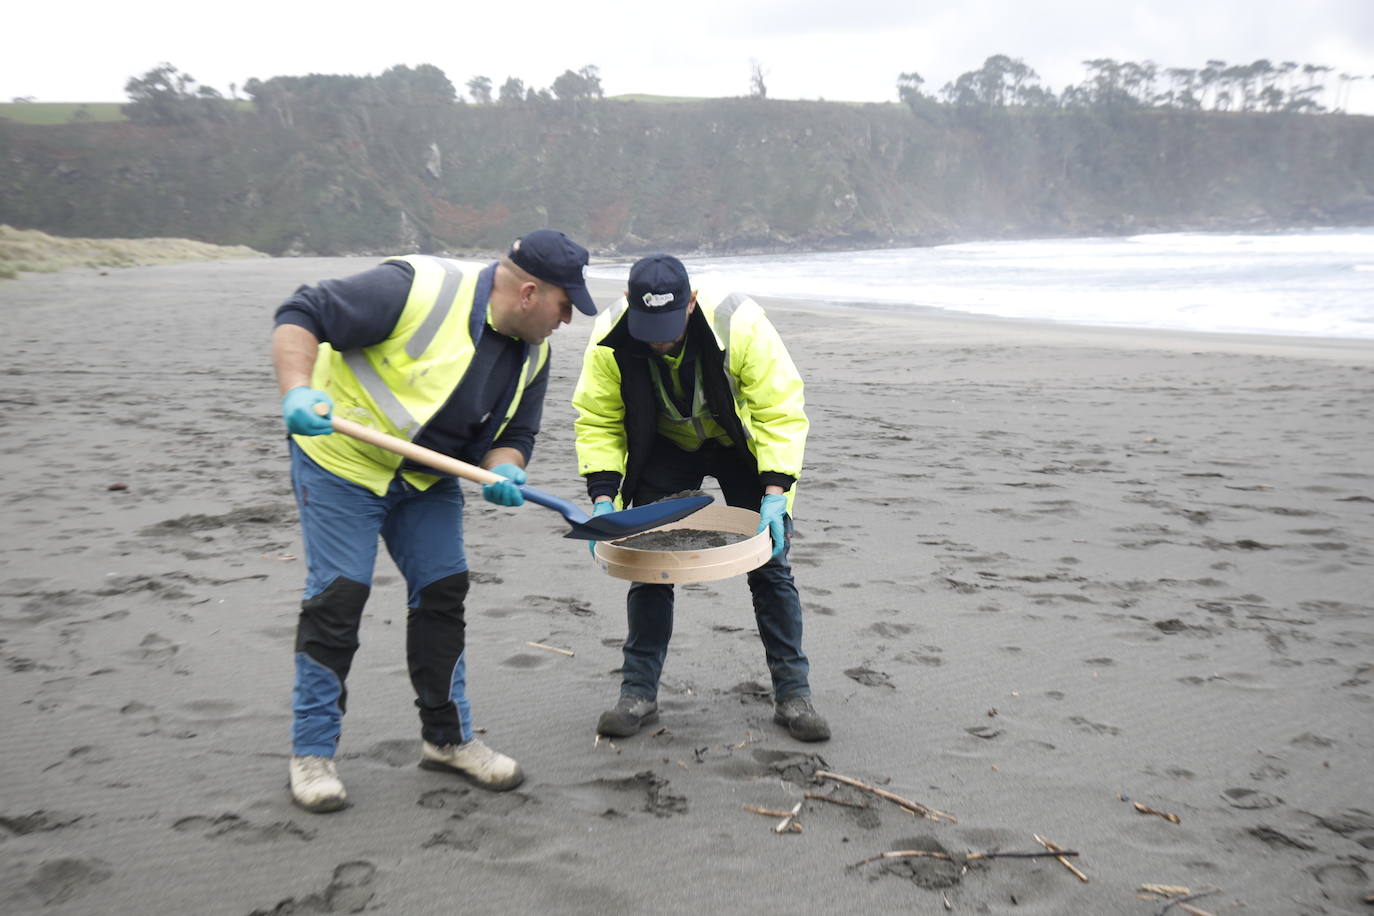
[752, 390]
[398, 385]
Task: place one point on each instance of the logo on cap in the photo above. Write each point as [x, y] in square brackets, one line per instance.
[657, 300]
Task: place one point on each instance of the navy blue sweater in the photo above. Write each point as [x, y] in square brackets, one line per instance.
[361, 310]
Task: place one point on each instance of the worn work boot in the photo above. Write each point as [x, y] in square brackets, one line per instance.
[476, 761]
[629, 715]
[801, 719]
[315, 784]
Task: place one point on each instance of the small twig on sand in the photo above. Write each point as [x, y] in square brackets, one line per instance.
[540, 645]
[836, 801]
[767, 812]
[1194, 911]
[1056, 848]
[1146, 809]
[609, 743]
[789, 821]
[1182, 902]
[914, 807]
[1165, 890]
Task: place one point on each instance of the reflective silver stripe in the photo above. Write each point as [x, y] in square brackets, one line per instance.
[673, 415]
[724, 312]
[531, 367]
[387, 401]
[443, 304]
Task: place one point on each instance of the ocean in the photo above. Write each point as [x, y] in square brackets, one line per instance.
[1317, 283]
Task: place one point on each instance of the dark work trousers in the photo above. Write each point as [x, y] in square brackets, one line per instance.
[423, 531]
[777, 608]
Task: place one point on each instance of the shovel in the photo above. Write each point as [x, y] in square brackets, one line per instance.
[607, 527]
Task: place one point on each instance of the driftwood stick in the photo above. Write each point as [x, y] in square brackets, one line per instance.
[1183, 901]
[1146, 809]
[1056, 848]
[789, 820]
[1194, 911]
[540, 645]
[969, 857]
[835, 801]
[914, 807]
[767, 812]
[1165, 890]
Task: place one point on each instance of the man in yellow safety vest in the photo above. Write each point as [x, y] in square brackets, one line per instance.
[450, 355]
[677, 385]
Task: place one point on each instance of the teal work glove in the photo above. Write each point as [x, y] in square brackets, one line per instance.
[771, 513]
[599, 508]
[298, 410]
[505, 492]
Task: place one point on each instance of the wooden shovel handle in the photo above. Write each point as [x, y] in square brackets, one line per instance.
[425, 456]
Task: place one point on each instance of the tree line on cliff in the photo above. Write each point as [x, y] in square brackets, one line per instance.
[166, 95]
[328, 164]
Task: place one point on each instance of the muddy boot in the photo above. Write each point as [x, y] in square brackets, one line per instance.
[630, 714]
[801, 719]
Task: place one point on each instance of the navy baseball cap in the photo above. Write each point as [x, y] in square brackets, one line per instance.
[554, 258]
[659, 294]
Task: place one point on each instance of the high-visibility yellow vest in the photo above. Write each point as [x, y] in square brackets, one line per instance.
[398, 385]
[764, 384]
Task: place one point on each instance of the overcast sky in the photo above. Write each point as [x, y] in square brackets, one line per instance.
[808, 49]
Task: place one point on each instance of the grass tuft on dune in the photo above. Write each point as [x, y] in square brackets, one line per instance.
[38, 252]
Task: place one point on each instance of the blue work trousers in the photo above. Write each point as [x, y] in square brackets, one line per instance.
[777, 607]
[423, 531]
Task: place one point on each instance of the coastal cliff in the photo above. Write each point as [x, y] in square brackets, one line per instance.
[720, 176]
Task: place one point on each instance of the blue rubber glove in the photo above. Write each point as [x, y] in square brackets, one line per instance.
[505, 492]
[771, 513]
[600, 508]
[298, 410]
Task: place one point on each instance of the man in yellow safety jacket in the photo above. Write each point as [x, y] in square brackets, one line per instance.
[678, 385]
[450, 355]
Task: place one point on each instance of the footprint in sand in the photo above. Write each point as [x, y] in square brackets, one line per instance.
[870, 678]
[154, 648]
[350, 891]
[450, 838]
[461, 801]
[924, 655]
[1343, 883]
[37, 822]
[575, 606]
[60, 880]
[397, 752]
[1097, 728]
[1250, 799]
[235, 829]
[1273, 837]
[642, 792]
[925, 872]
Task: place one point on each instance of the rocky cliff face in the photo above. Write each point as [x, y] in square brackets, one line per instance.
[719, 176]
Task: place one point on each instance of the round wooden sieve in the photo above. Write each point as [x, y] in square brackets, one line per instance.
[706, 565]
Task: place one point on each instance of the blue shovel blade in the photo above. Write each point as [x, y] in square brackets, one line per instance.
[620, 524]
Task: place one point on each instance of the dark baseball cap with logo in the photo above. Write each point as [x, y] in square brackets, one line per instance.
[554, 258]
[658, 295]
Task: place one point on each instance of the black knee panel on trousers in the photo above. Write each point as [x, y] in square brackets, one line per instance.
[434, 642]
[445, 595]
[328, 627]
